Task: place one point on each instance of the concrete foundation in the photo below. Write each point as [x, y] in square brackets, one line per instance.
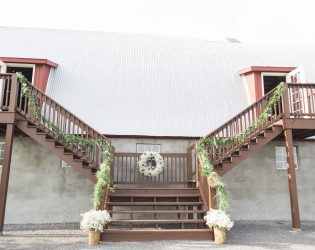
[40, 191]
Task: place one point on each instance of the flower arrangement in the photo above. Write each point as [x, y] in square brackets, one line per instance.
[218, 219]
[151, 172]
[95, 220]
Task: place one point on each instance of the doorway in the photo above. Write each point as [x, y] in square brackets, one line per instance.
[270, 82]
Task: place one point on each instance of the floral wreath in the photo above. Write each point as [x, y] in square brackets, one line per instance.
[151, 172]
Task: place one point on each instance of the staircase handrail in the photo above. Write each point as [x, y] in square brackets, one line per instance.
[55, 113]
[240, 123]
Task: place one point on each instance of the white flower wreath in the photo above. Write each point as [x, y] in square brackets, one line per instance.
[151, 172]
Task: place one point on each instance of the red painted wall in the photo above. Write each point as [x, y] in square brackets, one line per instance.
[42, 69]
[253, 79]
[41, 76]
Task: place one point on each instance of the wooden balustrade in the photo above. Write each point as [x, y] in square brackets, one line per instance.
[301, 100]
[240, 123]
[126, 170]
[207, 191]
[55, 114]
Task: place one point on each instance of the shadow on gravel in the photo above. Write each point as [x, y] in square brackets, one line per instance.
[271, 235]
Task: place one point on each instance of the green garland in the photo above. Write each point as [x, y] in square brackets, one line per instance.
[103, 175]
[208, 170]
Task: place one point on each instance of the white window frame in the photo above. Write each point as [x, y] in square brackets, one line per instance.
[63, 164]
[1, 150]
[284, 158]
[24, 65]
[148, 144]
[269, 74]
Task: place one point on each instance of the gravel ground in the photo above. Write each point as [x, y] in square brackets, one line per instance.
[244, 235]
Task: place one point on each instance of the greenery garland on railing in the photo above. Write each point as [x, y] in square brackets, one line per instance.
[208, 170]
[103, 175]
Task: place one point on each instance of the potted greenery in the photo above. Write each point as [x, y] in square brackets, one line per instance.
[94, 221]
[220, 221]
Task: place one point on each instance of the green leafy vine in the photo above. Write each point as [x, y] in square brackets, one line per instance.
[103, 175]
[208, 170]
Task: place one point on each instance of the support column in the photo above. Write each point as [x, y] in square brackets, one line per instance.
[5, 172]
[295, 214]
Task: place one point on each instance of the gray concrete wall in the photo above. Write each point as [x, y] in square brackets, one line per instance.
[40, 191]
[167, 145]
[258, 191]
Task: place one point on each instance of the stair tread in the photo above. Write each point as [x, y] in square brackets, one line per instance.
[159, 230]
[158, 203]
[156, 211]
[160, 221]
[155, 188]
[154, 195]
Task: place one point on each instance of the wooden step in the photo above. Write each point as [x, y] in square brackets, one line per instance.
[253, 142]
[157, 211]
[79, 160]
[160, 221]
[68, 153]
[31, 126]
[269, 130]
[244, 148]
[114, 235]
[51, 140]
[158, 203]
[156, 190]
[154, 195]
[41, 133]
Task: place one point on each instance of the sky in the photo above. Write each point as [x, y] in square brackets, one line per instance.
[288, 21]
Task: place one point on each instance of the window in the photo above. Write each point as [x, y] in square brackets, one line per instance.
[64, 164]
[141, 148]
[1, 156]
[281, 158]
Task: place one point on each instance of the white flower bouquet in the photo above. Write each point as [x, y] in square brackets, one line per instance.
[95, 219]
[219, 219]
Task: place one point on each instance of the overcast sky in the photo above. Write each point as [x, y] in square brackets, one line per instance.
[246, 20]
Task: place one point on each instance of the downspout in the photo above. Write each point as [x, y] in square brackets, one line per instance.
[3, 70]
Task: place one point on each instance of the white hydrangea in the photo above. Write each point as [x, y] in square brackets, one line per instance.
[95, 219]
[218, 218]
[142, 164]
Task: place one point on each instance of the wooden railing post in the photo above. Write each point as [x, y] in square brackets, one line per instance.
[285, 102]
[13, 93]
[112, 165]
[189, 163]
[213, 198]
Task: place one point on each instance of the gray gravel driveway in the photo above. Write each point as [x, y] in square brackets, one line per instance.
[244, 235]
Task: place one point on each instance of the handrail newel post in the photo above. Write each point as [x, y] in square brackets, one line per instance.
[295, 214]
[13, 93]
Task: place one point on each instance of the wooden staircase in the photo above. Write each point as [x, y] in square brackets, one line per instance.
[145, 214]
[152, 213]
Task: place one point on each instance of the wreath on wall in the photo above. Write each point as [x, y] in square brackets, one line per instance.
[155, 167]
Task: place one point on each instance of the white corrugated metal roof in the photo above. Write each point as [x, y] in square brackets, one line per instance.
[126, 84]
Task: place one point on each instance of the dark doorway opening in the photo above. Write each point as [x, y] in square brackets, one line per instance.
[27, 72]
[270, 82]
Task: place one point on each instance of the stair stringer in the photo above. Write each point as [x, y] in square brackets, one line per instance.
[41, 139]
[227, 166]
